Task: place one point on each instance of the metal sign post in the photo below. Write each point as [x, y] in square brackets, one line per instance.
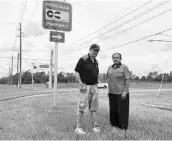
[160, 85]
[51, 66]
[57, 16]
[55, 71]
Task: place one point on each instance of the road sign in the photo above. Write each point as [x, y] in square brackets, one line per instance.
[43, 66]
[57, 15]
[57, 36]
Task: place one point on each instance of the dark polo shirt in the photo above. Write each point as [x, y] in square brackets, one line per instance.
[87, 70]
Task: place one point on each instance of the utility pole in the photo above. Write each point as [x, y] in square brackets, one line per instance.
[9, 75]
[20, 29]
[33, 74]
[17, 85]
[12, 70]
[51, 66]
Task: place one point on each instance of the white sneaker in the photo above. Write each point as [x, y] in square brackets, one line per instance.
[114, 130]
[80, 131]
[96, 129]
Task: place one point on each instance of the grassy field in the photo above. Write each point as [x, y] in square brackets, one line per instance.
[10, 92]
[134, 85]
[34, 119]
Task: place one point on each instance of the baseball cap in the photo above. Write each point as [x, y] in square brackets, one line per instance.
[95, 47]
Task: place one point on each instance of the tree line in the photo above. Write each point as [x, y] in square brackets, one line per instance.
[67, 77]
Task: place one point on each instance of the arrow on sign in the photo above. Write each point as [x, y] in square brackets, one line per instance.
[58, 36]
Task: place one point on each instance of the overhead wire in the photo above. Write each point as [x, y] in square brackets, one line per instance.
[115, 20]
[27, 58]
[22, 11]
[137, 40]
[24, 8]
[15, 35]
[33, 13]
[130, 42]
[137, 16]
[128, 21]
[140, 23]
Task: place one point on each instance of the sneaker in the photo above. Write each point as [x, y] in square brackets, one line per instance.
[96, 129]
[80, 131]
[114, 130]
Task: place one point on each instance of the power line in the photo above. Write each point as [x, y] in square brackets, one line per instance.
[21, 18]
[137, 40]
[14, 43]
[131, 42]
[137, 16]
[114, 21]
[140, 23]
[160, 41]
[33, 13]
[21, 10]
[167, 35]
[21, 15]
[26, 58]
[128, 28]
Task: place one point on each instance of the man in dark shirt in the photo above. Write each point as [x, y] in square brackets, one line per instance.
[86, 72]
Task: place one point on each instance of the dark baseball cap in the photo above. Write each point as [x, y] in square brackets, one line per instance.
[95, 47]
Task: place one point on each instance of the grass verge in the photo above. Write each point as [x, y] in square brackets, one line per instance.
[34, 119]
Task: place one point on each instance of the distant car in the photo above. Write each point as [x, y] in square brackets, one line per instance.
[102, 85]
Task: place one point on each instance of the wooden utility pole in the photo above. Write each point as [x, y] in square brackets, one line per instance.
[12, 70]
[33, 65]
[9, 75]
[17, 85]
[20, 29]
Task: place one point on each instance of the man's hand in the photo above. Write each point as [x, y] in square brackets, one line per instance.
[82, 87]
[124, 95]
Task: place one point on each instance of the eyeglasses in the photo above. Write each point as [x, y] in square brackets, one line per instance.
[116, 57]
[96, 50]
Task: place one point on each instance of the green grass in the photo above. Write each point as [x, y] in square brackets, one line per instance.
[33, 119]
[10, 92]
[134, 85]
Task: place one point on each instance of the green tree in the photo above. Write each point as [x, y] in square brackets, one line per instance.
[143, 78]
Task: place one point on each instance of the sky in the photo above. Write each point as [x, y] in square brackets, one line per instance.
[113, 24]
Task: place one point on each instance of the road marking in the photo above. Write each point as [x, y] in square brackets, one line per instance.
[158, 106]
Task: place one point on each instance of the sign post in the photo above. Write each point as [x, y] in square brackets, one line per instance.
[34, 67]
[160, 85]
[55, 72]
[57, 16]
[51, 66]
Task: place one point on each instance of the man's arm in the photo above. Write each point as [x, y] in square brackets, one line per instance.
[127, 85]
[78, 69]
[78, 77]
[127, 78]
[107, 74]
